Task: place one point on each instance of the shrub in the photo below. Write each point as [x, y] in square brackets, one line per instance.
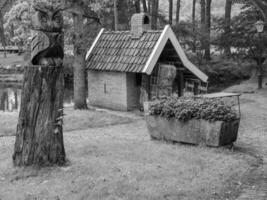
[185, 109]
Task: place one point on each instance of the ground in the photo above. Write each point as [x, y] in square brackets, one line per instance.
[120, 161]
[11, 59]
[74, 120]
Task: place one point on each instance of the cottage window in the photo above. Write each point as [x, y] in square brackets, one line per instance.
[105, 88]
[146, 20]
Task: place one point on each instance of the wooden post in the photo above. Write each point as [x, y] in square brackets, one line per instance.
[145, 89]
[196, 91]
[39, 137]
[181, 83]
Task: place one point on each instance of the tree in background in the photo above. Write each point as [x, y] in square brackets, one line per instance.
[81, 11]
[194, 24]
[2, 33]
[207, 29]
[178, 8]
[154, 13]
[170, 11]
[227, 27]
[203, 22]
[4, 4]
[144, 6]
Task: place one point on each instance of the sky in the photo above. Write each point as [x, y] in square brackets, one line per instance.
[186, 8]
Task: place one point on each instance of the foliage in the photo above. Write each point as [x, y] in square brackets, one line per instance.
[17, 23]
[243, 37]
[186, 108]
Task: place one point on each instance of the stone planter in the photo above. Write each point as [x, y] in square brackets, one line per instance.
[195, 131]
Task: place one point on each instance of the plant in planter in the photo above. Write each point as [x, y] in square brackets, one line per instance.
[193, 120]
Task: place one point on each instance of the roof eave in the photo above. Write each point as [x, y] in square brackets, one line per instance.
[94, 43]
[168, 33]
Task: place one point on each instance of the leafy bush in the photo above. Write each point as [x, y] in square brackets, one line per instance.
[185, 109]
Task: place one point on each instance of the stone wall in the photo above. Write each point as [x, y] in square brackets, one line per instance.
[107, 89]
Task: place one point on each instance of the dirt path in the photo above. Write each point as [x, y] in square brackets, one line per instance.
[253, 140]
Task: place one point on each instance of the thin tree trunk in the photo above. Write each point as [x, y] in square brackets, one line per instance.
[121, 15]
[227, 27]
[144, 6]
[149, 7]
[203, 22]
[178, 7]
[115, 15]
[208, 26]
[155, 6]
[194, 24]
[2, 33]
[137, 6]
[170, 11]
[79, 64]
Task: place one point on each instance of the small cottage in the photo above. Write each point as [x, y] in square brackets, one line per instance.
[126, 68]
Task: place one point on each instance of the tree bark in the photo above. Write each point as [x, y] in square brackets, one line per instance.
[137, 6]
[116, 23]
[122, 15]
[170, 11]
[178, 7]
[149, 7]
[39, 137]
[155, 6]
[194, 24]
[203, 22]
[79, 64]
[207, 31]
[144, 6]
[2, 33]
[227, 27]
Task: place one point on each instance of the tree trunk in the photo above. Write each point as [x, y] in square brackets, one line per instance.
[149, 7]
[79, 64]
[170, 11]
[122, 15]
[207, 31]
[178, 7]
[194, 24]
[115, 15]
[227, 27]
[203, 22]
[155, 6]
[137, 6]
[39, 137]
[144, 6]
[2, 33]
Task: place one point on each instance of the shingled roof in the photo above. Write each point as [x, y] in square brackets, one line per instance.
[120, 52]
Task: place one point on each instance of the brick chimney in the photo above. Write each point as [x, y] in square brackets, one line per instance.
[140, 23]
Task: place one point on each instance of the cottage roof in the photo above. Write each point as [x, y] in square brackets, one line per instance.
[119, 51]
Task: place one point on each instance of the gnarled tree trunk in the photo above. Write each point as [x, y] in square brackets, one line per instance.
[39, 139]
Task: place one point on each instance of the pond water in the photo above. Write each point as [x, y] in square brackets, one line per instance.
[10, 95]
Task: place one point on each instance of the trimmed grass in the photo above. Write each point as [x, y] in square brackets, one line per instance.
[74, 120]
[121, 162]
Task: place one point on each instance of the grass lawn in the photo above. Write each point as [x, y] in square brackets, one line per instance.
[74, 120]
[122, 162]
